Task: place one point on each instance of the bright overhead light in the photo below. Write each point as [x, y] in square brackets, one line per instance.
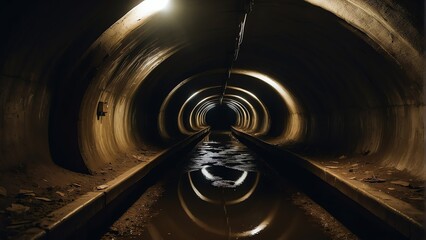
[156, 5]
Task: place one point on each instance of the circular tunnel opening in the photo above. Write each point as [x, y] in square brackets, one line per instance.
[322, 83]
[221, 117]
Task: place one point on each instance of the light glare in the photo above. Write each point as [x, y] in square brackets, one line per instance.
[208, 175]
[156, 5]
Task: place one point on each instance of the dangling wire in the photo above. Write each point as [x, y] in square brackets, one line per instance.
[247, 7]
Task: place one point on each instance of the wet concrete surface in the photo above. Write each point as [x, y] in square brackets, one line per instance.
[223, 191]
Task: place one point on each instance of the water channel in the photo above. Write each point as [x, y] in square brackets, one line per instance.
[225, 191]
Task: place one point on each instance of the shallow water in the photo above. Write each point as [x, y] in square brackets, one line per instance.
[223, 191]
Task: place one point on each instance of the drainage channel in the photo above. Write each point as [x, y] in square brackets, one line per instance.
[222, 190]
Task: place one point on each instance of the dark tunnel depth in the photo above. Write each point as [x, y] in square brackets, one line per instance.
[221, 117]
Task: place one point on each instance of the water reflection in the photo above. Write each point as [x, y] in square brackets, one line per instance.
[218, 183]
[224, 193]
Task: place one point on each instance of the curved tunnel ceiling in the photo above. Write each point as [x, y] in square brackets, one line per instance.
[322, 78]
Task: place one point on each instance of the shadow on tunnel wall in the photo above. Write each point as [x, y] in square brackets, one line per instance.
[65, 117]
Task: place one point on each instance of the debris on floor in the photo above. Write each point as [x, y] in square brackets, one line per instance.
[332, 167]
[373, 179]
[138, 157]
[26, 193]
[334, 228]
[102, 187]
[132, 223]
[44, 199]
[76, 185]
[60, 193]
[17, 208]
[401, 183]
[30, 194]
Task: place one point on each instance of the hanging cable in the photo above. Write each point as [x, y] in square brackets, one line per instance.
[246, 8]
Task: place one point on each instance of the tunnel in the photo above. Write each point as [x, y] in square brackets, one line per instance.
[85, 83]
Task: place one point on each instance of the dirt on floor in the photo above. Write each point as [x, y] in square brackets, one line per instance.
[334, 229]
[133, 222]
[29, 194]
[396, 183]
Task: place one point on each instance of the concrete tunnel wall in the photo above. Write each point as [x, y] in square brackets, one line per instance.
[325, 78]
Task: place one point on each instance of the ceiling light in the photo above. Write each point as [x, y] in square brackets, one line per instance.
[155, 5]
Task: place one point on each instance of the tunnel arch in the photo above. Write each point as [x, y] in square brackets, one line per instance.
[353, 68]
[261, 119]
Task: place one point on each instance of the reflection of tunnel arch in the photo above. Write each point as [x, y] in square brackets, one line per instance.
[353, 69]
[244, 197]
[212, 229]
